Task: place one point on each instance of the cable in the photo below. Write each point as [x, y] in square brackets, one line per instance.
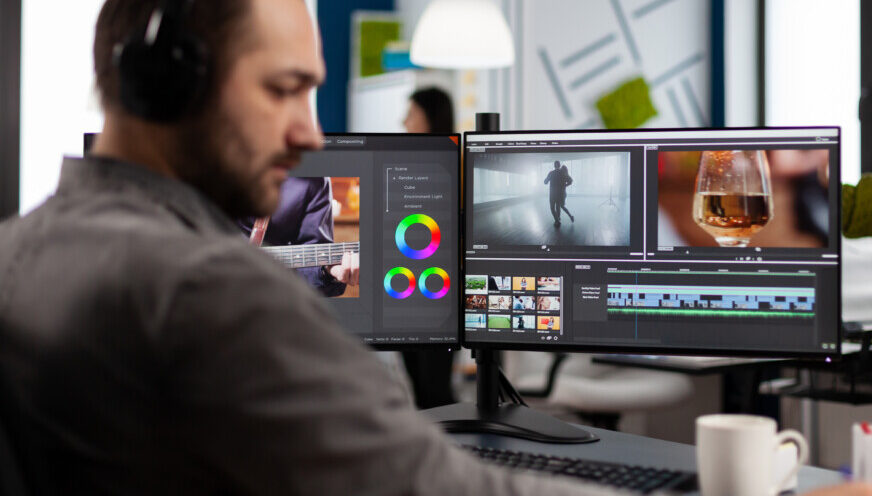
[510, 390]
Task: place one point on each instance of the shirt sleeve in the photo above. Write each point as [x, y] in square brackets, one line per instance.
[270, 392]
[316, 225]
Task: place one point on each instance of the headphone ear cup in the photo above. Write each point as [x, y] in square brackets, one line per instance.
[162, 82]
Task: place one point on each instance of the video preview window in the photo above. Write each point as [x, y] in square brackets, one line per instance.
[739, 198]
[316, 231]
[554, 199]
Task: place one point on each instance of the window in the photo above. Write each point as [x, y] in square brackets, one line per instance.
[813, 70]
[58, 103]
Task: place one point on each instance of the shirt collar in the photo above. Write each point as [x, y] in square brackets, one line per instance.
[100, 174]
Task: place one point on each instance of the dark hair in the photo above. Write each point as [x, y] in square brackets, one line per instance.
[216, 23]
[556, 164]
[437, 106]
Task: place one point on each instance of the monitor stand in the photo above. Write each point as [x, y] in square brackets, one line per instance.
[489, 416]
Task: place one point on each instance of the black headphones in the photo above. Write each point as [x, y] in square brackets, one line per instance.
[163, 69]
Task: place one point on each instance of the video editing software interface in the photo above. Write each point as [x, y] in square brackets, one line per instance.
[715, 241]
[391, 201]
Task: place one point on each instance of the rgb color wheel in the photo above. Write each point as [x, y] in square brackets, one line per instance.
[422, 283]
[406, 292]
[435, 236]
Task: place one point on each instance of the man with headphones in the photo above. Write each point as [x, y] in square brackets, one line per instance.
[147, 348]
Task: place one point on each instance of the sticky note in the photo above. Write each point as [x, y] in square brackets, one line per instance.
[628, 106]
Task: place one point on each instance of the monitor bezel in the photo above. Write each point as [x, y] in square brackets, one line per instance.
[422, 346]
[653, 350]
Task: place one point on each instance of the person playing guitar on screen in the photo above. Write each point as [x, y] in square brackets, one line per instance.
[305, 217]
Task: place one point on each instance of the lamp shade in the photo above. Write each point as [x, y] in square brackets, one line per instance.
[462, 34]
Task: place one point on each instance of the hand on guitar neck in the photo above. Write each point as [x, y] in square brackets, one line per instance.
[347, 271]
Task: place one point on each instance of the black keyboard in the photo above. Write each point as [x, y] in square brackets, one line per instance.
[635, 478]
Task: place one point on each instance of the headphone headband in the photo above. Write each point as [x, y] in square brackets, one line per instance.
[163, 68]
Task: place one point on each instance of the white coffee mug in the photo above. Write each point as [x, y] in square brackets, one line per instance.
[735, 455]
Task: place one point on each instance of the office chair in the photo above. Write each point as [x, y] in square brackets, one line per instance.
[596, 394]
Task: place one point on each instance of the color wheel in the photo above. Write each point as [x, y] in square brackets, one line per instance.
[435, 236]
[406, 292]
[446, 283]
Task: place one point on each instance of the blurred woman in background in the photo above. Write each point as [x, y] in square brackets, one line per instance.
[430, 111]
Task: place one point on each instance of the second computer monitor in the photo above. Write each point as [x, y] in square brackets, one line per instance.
[388, 205]
[722, 242]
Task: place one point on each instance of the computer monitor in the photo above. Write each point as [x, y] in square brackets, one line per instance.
[391, 200]
[701, 242]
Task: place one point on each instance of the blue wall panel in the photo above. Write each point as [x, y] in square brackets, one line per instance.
[334, 19]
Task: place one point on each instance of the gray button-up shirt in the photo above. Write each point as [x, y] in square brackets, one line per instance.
[148, 349]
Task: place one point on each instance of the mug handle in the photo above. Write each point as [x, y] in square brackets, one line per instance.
[791, 436]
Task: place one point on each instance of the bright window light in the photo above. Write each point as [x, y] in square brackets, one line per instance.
[57, 100]
[813, 69]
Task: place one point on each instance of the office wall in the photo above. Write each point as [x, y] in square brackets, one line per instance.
[410, 11]
[593, 46]
[575, 52]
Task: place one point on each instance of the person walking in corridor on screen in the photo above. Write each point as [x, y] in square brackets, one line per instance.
[558, 180]
[148, 349]
[567, 182]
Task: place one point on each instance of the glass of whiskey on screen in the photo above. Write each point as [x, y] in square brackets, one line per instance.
[733, 196]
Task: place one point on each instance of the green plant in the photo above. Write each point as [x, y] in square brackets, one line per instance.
[857, 208]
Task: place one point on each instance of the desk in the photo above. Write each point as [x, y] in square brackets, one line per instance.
[744, 394]
[618, 447]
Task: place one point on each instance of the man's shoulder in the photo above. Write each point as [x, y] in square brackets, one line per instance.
[145, 241]
[146, 262]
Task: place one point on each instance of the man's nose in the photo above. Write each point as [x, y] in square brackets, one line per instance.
[304, 131]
